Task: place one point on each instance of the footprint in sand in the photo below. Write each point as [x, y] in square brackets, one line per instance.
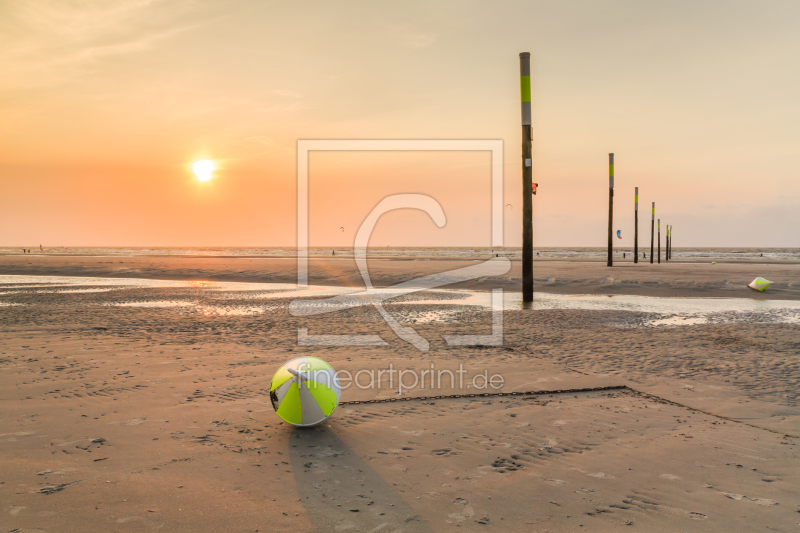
[550, 443]
[652, 506]
[460, 516]
[503, 465]
[763, 501]
[760, 501]
[443, 451]
[94, 443]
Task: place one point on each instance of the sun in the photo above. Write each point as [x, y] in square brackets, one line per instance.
[204, 170]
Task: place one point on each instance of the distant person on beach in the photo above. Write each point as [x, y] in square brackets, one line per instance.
[40, 248]
[644, 255]
[333, 252]
[623, 256]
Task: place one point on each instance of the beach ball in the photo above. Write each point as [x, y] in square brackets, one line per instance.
[305, 391]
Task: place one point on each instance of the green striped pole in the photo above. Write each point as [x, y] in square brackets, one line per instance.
[652, 231]
[610, 208]
[527, 177]
[636, 226]
[659, 241]
[669, 242]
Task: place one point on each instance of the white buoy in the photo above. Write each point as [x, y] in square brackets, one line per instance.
[760, 284]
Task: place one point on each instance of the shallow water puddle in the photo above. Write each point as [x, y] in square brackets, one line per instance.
[680, 311]
[154, 303]
[321, 299]
[680, 320]
[204, 309]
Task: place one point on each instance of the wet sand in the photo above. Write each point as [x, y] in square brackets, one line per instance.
[120, 413]
[674, 279]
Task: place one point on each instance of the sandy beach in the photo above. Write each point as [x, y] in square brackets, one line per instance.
[129, 405]
[330, 267]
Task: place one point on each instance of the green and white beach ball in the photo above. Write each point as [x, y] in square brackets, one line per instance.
[305, 391]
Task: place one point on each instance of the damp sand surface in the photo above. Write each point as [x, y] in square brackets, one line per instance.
[132, 404]
[243, 298]
[674, 279]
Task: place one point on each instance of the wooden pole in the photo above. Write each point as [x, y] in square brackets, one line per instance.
[652, 231]
[527, 177]
[636, 226]
[668, 238]
[669, 246]
[610, 209]
[659, 241]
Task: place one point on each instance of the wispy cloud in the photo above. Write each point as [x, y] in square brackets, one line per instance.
[42, 43]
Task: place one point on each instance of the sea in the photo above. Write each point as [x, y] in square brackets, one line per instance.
[561, 253]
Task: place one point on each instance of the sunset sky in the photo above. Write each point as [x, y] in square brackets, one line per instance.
[105, 105]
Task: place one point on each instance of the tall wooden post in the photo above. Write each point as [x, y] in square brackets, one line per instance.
[636, 226]
[659, 241]
[610, 209]
[527, 177]
[652, 231]
[669, 242]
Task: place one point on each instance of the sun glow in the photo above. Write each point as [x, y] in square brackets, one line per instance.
[204, 170]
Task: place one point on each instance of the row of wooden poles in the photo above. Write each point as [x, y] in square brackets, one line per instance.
[528, 191]
[668, 249]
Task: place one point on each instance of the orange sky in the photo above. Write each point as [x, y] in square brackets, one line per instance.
[104, 105]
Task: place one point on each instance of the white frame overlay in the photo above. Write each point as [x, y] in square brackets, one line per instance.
[495, 147]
